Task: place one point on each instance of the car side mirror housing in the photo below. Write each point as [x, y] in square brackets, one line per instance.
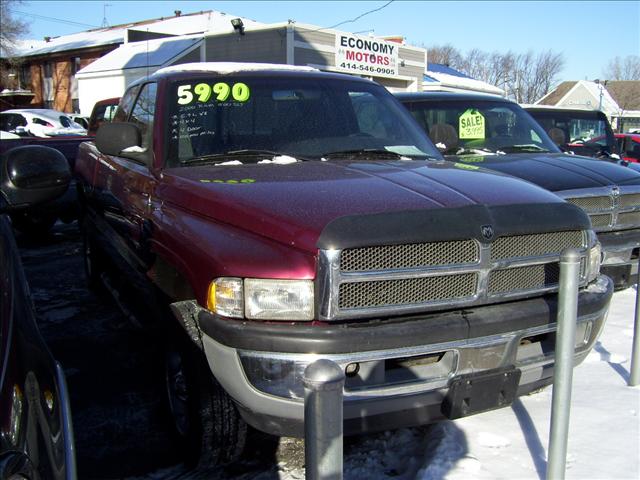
[113, 138]
[32, 174]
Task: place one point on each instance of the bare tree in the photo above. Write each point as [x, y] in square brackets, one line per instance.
[525, 77]
[444, 54]
[627, 68]
[12, 28]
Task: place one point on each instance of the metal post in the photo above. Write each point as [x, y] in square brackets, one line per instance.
[323, 388]
[634, 375]
[563, 369]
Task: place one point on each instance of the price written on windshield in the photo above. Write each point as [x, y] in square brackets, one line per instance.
[239, 92]
[471, 125]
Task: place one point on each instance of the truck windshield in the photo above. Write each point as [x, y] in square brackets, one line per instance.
[460, 127]
[577, 131]
[302, 117]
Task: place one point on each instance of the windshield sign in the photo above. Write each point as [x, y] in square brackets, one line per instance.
[257, 117]
[480, 127]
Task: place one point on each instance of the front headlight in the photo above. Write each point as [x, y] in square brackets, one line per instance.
[595, 256]
[262, 299]
[278, 299]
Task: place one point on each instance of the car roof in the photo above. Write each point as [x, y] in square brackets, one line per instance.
[37, 111]
[442, 95]
[254, 69]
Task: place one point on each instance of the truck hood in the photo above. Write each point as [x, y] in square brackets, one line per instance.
[556, 171]
[293, 203]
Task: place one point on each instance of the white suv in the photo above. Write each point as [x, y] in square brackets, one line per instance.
[39, 122]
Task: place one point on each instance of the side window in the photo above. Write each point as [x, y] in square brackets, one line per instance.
[143, 111]
[124, 108]
[19, 121]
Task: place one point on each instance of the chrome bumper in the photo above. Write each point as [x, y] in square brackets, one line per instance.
[267, 386]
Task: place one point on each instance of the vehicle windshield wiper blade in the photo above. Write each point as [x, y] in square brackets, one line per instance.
[236, 154]
[522, 148]
[468, 151]
[374, 153]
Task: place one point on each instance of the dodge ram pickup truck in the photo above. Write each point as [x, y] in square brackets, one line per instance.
[498, 134]
[288, 214]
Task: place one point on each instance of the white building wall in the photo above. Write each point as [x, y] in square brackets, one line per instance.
[95, 87]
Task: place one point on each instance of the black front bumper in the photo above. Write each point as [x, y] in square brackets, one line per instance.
[381, 334]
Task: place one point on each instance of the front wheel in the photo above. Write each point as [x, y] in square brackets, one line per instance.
[208, 425]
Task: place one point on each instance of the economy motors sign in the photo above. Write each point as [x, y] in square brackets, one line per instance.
[366, 56]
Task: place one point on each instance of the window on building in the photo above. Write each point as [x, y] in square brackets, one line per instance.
[75, 65]
[25, 76]
[48, 70]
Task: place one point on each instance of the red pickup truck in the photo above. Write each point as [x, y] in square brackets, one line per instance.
[287, 214]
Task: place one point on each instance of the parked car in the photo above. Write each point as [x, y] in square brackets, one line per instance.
[103, 111]
[287, 214]
[36, 439]
[81, 120]
[37, 220]
[39, 122]
[583, 132]
[628, 144]
[493, 132]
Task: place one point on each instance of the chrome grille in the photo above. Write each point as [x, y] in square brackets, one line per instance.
[629, 201]
[407, 291]
[612, 211]
[592, 203]
[628, 218]
[393, 257]
[535, 245]
[600, 220]
[524, 278]
[407, 278]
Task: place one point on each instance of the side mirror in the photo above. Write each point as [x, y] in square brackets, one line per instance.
[113, 138]
[33, 174]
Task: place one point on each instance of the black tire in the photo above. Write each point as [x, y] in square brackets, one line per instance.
[207, 424]
[93, 261]
[33, 224]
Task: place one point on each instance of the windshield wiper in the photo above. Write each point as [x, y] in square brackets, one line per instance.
[468, 151]
[373, 153]
[237, 154]
[522, 148]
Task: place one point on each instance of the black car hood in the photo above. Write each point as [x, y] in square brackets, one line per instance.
[555, 171]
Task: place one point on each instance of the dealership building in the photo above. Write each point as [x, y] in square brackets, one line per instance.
[396, 66]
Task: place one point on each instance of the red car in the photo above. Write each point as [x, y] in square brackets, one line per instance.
[629, 146]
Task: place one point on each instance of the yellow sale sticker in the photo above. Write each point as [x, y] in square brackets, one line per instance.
[471, 125]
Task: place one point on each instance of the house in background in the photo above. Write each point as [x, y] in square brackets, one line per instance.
[42, 73]
[439, 77]
[618, 99]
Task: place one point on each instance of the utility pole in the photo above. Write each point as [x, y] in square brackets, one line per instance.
[105, 23]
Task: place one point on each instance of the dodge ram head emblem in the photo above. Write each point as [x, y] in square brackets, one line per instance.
[487, 231]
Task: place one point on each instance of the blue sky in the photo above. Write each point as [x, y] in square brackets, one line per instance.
[589, 34]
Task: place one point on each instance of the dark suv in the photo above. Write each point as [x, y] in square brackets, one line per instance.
[496, 133]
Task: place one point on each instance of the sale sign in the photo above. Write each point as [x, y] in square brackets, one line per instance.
[363, 55]
[471, 125]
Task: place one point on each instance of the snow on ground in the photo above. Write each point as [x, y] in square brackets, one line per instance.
[511, 443]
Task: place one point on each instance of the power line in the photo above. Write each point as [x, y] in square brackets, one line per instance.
[52, 19]
[362, 15]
